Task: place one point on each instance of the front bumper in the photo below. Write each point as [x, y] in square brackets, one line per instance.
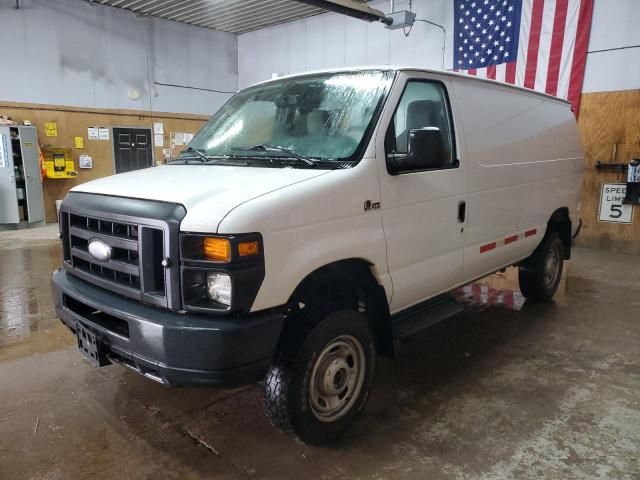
[169, 347]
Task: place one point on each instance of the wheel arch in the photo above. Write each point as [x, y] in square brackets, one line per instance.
[560, 222]
[349, 283]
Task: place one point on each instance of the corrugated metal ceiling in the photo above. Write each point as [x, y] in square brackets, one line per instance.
[235, 16]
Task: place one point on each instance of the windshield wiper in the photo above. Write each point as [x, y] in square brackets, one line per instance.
[200, 153]
[274, 148]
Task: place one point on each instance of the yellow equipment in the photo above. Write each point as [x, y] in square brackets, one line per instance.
[58, 162]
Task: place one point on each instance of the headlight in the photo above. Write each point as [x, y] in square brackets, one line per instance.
[219, 287]
[221, 273]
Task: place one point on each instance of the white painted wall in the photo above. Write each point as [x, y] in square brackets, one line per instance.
[332, 40]
[67, 52]
[615, 25]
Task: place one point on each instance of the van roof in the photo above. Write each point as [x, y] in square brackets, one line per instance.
[399, 68]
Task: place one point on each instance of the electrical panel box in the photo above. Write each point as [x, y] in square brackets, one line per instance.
[58, 163]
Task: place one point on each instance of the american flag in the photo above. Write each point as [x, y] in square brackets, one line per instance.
[537, 44]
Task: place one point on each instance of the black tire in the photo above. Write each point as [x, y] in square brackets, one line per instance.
[289, 383]
[539, 275]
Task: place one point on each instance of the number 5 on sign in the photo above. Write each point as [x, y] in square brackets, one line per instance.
[611, 207]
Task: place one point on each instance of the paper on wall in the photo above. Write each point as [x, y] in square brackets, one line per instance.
[78, 142]
[92, 133]
[85, 161]
[179, 138]
[51, 129]
[166, 152]
[158, 128]
[103, 133]
[187, 137]
[158, 140]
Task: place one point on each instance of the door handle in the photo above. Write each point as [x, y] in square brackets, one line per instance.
[462, 211]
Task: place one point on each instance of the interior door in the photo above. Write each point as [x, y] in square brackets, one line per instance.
[132, 149]
[422, 209]
[31, 165]
[8, 196]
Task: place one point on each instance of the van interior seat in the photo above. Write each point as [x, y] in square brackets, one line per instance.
[317, 121]
[421, 114]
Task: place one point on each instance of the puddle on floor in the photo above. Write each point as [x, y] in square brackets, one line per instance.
[28, 323]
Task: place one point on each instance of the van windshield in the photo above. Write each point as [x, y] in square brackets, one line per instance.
[315, 118]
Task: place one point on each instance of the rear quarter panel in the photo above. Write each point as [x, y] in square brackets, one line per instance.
[525, 161]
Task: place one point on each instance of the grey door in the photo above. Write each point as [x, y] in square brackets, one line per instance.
[132, 149]
[31, 165]
[8, 196]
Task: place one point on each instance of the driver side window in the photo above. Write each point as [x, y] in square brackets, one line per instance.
[420, 136]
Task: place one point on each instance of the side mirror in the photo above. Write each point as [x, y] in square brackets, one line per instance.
[426, 150]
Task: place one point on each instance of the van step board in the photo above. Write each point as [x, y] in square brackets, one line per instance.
[423, 315]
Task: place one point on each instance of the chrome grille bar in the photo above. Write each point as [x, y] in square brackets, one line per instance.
[139, 235]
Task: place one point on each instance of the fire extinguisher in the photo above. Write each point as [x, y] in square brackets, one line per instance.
[632, 197]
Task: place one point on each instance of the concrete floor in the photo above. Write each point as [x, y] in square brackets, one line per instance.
[505, 390]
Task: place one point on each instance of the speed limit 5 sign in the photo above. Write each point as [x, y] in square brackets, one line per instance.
[611, 207]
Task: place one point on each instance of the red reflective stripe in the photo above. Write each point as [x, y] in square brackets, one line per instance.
[510, 239]
[534, 43]
[580, 54]
[531, 232]
[510, 76]
[555, 54]
[509, 300]
[487, 247]
[491, 72]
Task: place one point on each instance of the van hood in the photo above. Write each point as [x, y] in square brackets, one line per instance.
[209, 189]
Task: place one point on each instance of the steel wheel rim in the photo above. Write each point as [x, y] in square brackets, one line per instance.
[337, 378]
[551, 267]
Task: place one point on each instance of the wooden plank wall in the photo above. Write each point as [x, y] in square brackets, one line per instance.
[74, 122]
[610, 126]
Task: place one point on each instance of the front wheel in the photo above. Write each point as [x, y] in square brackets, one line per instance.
[539, 276]
[321, 378]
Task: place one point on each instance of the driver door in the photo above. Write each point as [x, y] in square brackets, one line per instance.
[423, 207]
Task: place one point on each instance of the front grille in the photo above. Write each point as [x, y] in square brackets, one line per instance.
[140, 234]
[124, 266]
[135, 267]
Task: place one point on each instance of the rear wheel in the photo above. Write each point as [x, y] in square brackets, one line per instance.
[540, 274]
[321, 378]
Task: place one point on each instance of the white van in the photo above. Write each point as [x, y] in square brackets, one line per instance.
[310, 222]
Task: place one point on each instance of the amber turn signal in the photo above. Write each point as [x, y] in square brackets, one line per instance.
[218, 249]
[247, 249]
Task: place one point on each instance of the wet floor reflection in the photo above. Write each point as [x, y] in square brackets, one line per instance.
[481, 296]
[25, 295]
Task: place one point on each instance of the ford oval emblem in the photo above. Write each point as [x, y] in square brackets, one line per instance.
[99, 250]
